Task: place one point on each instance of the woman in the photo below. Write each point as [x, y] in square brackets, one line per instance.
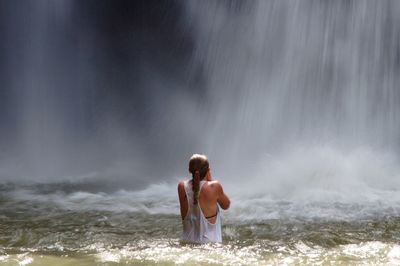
[199, 199]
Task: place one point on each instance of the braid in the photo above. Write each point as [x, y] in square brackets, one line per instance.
[196, 187]
[198, 166]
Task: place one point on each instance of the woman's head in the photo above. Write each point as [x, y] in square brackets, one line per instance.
[198, 166]
[199, 162]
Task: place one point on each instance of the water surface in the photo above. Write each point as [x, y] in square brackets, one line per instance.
[48, 225]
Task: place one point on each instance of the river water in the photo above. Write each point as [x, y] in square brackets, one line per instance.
[296, 103]
[64, 224]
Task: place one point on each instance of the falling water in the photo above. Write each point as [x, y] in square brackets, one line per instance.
[299, 73]
[296, 103]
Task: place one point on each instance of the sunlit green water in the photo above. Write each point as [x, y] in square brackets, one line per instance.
[37, 230]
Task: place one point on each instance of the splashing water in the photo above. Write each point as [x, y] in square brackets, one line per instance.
[298, 106]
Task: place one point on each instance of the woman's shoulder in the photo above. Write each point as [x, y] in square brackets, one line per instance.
[181, 187]
[181, 184]
[214, 182]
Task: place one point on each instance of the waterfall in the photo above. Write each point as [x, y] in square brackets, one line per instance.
[284, 74]
[90, 92]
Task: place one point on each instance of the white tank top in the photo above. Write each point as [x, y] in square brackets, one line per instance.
[196, 228]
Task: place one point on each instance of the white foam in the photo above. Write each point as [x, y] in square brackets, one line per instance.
[319, 182]
[157, 198]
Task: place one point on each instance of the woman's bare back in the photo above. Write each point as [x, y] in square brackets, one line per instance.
[210, 194]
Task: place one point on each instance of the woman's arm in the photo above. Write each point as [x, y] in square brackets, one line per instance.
[223, 200]
[182, 199]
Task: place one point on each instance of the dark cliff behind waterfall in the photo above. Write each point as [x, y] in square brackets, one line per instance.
[86, 84]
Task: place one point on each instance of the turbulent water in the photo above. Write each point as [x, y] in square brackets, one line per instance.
[57, 226]
[296, 103]
[69, 224]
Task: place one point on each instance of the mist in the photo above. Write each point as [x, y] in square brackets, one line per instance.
[124, 92]
[93, 89]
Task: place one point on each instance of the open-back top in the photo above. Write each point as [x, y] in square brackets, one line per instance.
[196, 227]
